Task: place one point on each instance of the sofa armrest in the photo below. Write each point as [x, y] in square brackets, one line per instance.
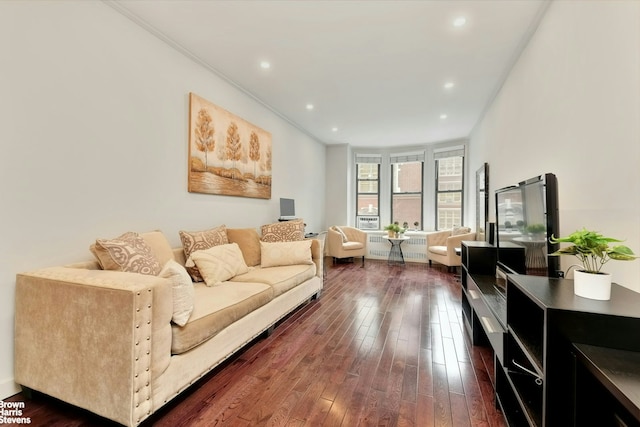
[317, 255]
[93, 338]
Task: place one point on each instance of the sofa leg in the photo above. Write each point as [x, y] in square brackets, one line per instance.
[429, 263]
[27, 393]
[317, 295]
[270, 330]
[363, 261]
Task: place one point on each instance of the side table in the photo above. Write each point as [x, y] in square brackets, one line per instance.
[395, 253]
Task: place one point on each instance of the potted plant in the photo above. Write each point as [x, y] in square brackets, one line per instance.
[392, 229]
[536, 230]
[593, 251]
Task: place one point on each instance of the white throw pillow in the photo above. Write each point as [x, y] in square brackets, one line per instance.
[344, 236]
[219, 263]
[182, 291]
[275, 254]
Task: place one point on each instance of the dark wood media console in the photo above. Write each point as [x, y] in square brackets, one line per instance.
[560, 359]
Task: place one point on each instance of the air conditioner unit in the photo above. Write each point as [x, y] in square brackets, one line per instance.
[368, 222]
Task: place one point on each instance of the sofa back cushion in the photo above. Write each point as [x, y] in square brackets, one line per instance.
[249, 242]
[160, 246]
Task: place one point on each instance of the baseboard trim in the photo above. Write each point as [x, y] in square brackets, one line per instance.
[8, 388]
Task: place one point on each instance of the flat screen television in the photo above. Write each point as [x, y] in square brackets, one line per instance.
[287, 209]
[527, 215]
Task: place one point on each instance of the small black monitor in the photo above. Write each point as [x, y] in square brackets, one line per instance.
[287, 209]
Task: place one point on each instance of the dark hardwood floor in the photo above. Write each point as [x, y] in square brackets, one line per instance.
[383, 346]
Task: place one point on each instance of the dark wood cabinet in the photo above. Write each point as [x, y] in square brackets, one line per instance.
[560, 359]
[544, 320]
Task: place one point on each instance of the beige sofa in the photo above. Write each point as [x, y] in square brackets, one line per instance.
[442, 245]
[105, 341]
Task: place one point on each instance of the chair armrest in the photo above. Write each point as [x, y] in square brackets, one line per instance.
[93, 338]
[454, 242]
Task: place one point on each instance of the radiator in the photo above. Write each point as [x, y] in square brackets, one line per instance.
[413, 250]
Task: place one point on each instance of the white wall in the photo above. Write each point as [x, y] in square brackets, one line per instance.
[571, 106]
[94, 143]
[339, 177]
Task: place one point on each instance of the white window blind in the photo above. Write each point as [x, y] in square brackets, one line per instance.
[448, 152]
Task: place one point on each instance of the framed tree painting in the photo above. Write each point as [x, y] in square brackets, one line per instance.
[227, 154]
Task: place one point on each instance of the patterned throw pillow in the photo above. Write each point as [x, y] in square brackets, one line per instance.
[128, 252]
[285, 231]
[200, 240]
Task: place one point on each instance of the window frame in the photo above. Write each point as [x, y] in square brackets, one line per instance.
[393, 192]
[438, 191]
[358, 193]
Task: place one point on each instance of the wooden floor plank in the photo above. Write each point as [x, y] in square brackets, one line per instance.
[382, 346]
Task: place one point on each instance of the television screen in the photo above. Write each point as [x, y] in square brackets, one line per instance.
[287, 209]
[526, 216]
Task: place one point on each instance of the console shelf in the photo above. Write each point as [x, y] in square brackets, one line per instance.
[559, 359]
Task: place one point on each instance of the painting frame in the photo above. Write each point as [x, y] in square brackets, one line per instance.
[222, 149]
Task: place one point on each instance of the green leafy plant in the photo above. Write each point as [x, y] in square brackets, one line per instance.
[393, 227]
[536, 228]
[592, 249]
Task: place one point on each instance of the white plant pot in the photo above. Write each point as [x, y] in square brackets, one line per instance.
[593, 286]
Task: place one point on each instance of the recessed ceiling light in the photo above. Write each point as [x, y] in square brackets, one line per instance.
[449, 85]
[265, 65]
[334, 129]
[443, 116]
[309, 106]
[459, 21]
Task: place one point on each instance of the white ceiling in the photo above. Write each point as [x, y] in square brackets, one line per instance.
[373, 69]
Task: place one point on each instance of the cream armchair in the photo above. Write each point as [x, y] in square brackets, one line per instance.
[441, 246]
[346, 242]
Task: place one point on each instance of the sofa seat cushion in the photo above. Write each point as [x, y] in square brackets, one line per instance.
[440, 250]
[281, 278]
[352, 246]
[216, 308]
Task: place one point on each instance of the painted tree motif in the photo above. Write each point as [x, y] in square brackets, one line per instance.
[233, 144]
[204, 135]
[254, 150]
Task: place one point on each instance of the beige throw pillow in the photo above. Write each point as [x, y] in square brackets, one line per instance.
[219, 263]
[460, 230]
[182, 291]
[344, 236]
[285, 231]
[199, 240]
[128, 252]
[285, 253]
